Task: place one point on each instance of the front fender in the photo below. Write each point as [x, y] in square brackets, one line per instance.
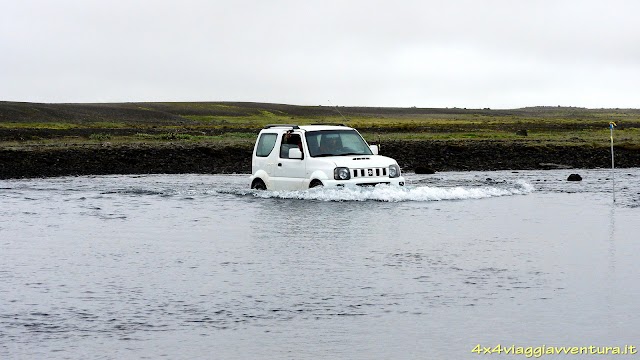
[317, 175]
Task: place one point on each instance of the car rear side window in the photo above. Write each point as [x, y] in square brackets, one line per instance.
[266, 144]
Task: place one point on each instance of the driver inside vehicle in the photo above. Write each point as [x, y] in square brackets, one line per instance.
[330, 144]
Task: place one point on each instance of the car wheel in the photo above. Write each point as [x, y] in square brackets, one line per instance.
[315, 183]
[258, 185]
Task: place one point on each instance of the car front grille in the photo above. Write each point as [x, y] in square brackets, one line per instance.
[369, 172]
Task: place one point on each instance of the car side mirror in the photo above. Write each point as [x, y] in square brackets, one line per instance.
[374, 149]
[295, 153]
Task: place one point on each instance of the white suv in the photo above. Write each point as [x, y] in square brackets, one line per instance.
[292, 157]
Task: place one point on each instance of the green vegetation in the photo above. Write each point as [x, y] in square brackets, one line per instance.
[25, 124]
[579, 137]
[195, 138]
[100, 137]
[38, 125]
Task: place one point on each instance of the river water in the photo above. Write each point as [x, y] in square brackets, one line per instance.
[200, 267]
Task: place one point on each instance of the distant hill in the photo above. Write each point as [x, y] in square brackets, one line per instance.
[178, 113]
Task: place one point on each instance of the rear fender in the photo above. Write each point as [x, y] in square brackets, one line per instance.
[261, 174]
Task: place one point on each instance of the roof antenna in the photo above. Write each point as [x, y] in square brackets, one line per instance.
[338, 110]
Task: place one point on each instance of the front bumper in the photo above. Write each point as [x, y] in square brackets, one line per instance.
[399, 181]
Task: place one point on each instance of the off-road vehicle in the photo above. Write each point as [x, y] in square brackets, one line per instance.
[292, 157]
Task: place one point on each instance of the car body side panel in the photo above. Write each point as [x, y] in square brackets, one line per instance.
[289, 174]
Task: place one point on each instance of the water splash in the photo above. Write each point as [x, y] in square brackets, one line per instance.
[395, 194]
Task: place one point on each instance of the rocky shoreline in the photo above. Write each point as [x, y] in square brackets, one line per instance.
[177, 158]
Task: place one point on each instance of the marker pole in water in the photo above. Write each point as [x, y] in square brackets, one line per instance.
[613, 175]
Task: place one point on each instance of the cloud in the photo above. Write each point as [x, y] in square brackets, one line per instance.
[493, 53]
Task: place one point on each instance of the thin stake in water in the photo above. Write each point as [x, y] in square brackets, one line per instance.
[613, 176]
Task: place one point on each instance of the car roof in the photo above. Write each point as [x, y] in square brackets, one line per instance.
[324, 127]
[315, 127]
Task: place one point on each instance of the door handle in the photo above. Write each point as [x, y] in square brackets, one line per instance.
[279, 164]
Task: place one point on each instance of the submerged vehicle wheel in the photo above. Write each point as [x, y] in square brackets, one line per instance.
[258, 185]
[315, 183]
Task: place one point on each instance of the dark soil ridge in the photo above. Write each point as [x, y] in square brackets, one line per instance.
[217, 159]
[175, 112]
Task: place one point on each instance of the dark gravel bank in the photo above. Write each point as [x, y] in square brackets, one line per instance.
[175, 159]
[178, 158]
[488, 155]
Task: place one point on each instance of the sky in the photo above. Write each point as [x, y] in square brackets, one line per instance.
[499, 54]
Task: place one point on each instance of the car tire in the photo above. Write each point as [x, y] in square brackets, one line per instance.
[315, 183]
[258, 185]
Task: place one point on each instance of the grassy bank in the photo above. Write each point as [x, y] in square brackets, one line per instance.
[27, 124]
[447, 139]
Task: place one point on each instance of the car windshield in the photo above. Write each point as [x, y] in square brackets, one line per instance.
[336, 143]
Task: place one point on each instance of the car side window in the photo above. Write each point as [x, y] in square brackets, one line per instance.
[290, 141]
[266, 143]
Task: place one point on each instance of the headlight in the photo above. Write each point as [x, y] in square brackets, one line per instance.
[341, 173]
[394, 171]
